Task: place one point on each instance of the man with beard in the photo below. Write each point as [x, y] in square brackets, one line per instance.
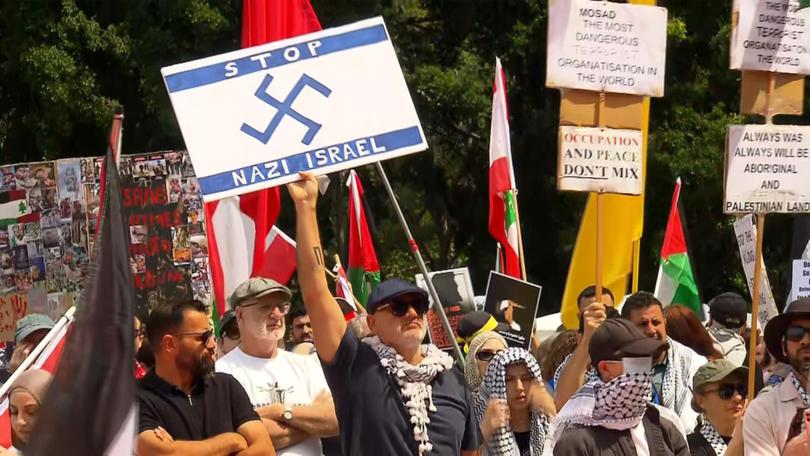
[288, 391]
[300, 327]
[777, 416]
[611, 415]
[393, 395]
[184, 407]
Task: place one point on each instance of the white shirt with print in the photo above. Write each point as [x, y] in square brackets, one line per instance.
[286, 378]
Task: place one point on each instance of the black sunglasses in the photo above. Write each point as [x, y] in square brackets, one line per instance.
[486, 355]
[726, 391]
[399, 307]
[199, 336]
[796, 333]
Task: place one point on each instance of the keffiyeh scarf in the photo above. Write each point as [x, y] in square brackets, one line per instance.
[714, 438]
[619, 404]
[800, 388]
[503, 442]
[675, 388]
[414, 383]
[471, 374]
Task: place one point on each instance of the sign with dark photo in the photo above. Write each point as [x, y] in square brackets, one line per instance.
[456, 294]
[513, 302]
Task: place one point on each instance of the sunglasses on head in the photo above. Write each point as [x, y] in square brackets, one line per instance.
[399, 307]
[796, 333]
[726, 391]
[486, 355]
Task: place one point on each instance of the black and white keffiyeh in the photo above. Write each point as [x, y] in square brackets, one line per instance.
[714, 438]
[414, 383]
[619, 404]
[675, 388]
[800, 388]
[503, 442]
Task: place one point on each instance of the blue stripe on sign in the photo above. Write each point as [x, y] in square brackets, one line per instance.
[310, 160]
[210, 74]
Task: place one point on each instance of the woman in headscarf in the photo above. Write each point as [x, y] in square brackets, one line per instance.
[483, 348]
[513, 406]
[25, 397]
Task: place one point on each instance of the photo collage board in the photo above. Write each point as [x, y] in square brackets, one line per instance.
[44, 249]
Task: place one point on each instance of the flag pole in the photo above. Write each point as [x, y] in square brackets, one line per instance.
[65, 320]
[599, 209]
[520, 235]
[437, 304]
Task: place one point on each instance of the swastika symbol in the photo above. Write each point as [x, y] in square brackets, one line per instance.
[285, 109]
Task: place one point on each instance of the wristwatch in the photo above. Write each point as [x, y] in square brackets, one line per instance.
[287, 415]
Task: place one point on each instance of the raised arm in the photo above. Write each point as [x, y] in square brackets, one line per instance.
[328, 325]
[573, 373]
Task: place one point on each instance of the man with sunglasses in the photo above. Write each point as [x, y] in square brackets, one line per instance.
[776, 416]
[394, 396]
[184, 407]
[289, 391]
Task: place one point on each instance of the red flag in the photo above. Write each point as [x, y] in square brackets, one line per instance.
[239, 227]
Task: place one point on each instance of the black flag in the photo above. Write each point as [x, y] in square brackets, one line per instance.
[91, 398]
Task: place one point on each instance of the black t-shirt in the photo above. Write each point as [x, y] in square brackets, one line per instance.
[522, 439]
[373, 419]
[216, 405]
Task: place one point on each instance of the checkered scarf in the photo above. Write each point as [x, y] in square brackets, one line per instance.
[474, 378]
[414, 383]
[675, 388]
[619, 404]
[714, 438]
[503, 442]
[800, 388]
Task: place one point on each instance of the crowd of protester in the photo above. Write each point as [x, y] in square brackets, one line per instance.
[635, 378]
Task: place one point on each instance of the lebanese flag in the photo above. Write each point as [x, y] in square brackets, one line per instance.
[344, 290]
[676, 280]
[364, 270]
[502, 215]
[240, 228]
[279, 257]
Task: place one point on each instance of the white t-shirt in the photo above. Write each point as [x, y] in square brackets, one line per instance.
[287, 378]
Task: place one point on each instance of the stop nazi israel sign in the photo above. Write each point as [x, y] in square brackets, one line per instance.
[607, 47]
[320, 103]
[600, 160]
[767, 169]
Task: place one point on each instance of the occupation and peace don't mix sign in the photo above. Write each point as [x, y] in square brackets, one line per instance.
[322, 102]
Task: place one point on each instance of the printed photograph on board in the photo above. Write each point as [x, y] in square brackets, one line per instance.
[8, 180]
[513, 302]
[181, 251]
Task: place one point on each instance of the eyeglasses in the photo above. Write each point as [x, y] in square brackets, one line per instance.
[486, 355]
[726, 392]
[203, 337]
[796, 333]
[283, 308]
[399, 307]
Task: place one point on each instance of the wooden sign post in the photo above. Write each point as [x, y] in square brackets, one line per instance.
[767, 166]
[608, 93]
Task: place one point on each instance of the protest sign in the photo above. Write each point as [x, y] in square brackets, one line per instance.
[455, 291]
[321, 102]
[746, 234]
[767, 169]
[12, 308]
[513, 302]
[771, 35]
[605, 46]
[800, 286]
[600, 160]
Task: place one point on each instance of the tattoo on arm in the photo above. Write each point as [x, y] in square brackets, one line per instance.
[318, 255]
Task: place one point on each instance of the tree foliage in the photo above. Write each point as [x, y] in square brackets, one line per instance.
[66, 65]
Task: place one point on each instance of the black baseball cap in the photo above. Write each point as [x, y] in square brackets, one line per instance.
[471, 323]
[391, 289]
[618, 338]
[729, 309]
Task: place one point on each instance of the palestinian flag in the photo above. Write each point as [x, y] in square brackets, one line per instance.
[13, 205]
[344, 290]
[364, 271]
[804, 4]
[502, 215]
[676, 282]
